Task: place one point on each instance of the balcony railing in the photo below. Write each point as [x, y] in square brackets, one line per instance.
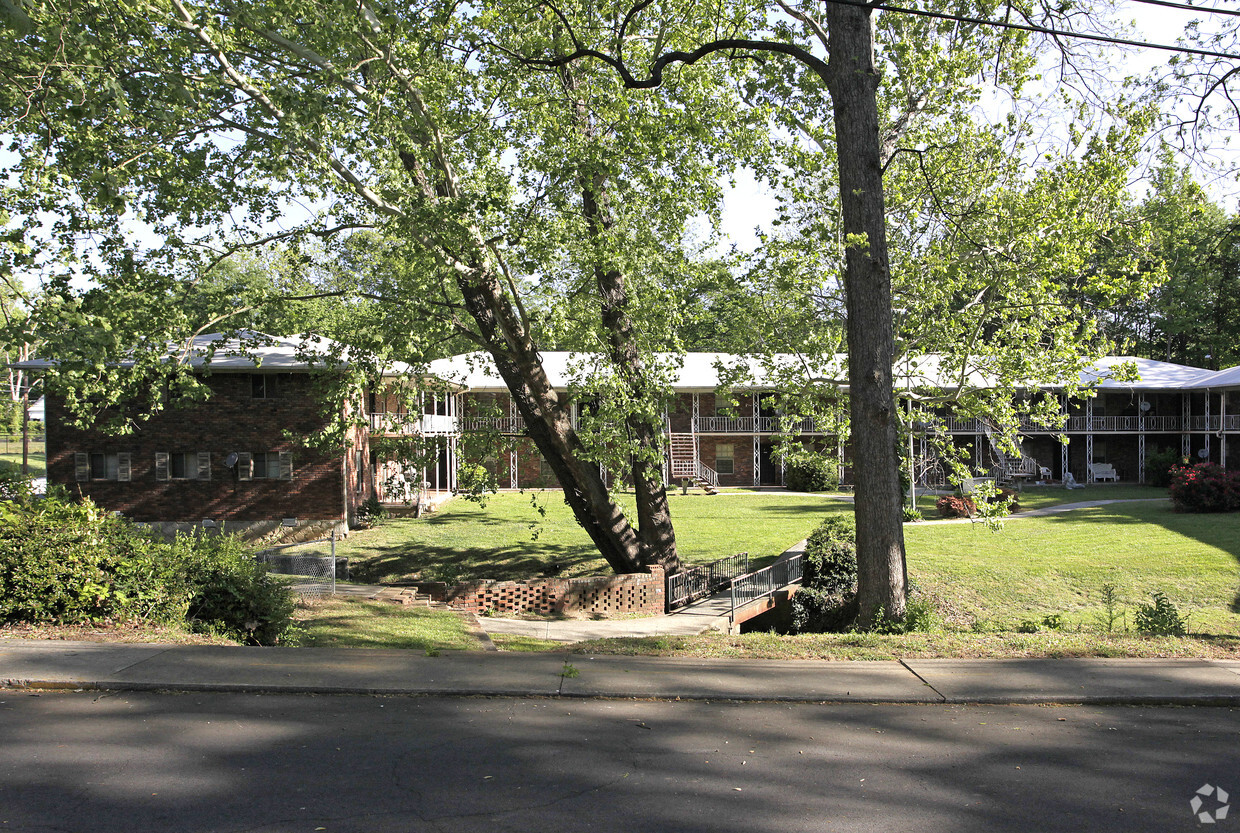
[504, 425]
[412, 424]
[1102, 424]
[752, 425]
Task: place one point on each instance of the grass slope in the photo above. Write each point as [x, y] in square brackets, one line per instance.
[1036, 567]
[521, 535]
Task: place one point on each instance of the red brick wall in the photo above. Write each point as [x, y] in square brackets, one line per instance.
[742, 456]
[604, 595]
[230, 421]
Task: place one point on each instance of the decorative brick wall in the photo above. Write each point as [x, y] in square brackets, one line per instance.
[643, 593]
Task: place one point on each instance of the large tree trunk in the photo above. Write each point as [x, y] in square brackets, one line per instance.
[654, 518]
[853, 83]
[549, 426]
[504, 332]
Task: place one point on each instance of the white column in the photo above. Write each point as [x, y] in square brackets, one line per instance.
[667, 449]
[757, 443]
[1089, 440]
[1186, 414]
[1222, 426]
[1207, 426]
[513, 480]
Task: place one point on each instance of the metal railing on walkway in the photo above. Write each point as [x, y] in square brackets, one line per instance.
[704, 579]
[762, 583]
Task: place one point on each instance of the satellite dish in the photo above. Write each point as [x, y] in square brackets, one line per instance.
[231, 460]
[1145, 406]
[1203, 453]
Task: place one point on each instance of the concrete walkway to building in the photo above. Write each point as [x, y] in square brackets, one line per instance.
[1050, 510]
[51, 664]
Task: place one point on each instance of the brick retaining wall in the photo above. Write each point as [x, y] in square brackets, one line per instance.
[629, 593]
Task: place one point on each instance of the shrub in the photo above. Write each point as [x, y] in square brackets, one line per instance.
[68, 562]
[826, 601]
[1158, 466]
[819, 611]
[473, 481]
[1205, 487]
[911, 515]
[830, 560]
[811, 474]
[1160, 618]
[233, 594]
[371, 512]
[955, 506]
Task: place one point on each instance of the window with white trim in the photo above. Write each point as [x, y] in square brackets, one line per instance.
[183, 465]
[725, 462]
[97, 465]
[265, 465]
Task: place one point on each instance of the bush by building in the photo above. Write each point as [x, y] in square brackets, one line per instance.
[826, 601]
[811, 474]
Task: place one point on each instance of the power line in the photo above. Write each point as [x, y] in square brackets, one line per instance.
[1189, 7]
[1040, 30]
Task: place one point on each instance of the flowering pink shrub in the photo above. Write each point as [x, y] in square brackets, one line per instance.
[1205, 487]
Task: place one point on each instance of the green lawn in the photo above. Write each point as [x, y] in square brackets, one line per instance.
[355, 623]
[510, 538]
[38, 463]
[1036, 567]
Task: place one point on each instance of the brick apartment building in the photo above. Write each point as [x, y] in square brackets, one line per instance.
[730, 440]
[243, 459]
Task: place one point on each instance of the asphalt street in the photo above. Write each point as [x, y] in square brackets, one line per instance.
[134, 762]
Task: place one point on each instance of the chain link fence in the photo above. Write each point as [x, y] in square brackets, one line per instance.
[313, 564]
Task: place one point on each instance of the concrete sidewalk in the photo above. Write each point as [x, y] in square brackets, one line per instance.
[51, 664]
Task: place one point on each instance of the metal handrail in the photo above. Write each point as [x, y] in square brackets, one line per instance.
[762, 583]
[704, 579]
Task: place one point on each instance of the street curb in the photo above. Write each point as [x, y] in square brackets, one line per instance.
[1185, 700]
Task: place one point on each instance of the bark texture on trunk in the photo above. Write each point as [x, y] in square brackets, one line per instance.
[654, 517]
[853, 83]
[655, 531]
[549, 426]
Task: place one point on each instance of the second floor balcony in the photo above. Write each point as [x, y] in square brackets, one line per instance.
[413, 424]
[754, 425]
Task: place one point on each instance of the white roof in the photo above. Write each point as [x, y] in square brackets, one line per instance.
[689, 372]
[1227, 378]
[251, 350]
[1154, 375]
[701, 371]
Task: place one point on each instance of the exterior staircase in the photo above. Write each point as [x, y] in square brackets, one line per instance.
[687, 466]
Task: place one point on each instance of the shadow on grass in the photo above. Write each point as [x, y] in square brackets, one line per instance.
[377, 625]
[1218, 530]
[439, 563]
